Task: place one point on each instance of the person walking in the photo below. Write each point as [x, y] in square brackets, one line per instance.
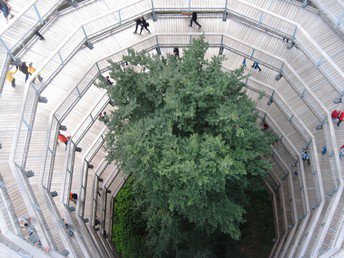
[24, 69]
[6, 10]
[194, 19]
[305, 156]
[144, 24]
[10, 78]
[32, 70]
[256, 66]
[138, 23]
[244, 62]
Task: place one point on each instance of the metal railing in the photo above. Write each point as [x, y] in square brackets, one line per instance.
[337, 20]
[22, 27]
[58, 60]
[264, 58]
[75, 140]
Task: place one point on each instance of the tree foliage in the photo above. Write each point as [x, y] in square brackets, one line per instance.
[128, 224]
[186, 132]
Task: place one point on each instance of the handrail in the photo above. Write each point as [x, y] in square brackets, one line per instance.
[86, 159]
[34, 103]
[286, 231]
[7, 33]
[72, 145]
[305, 185]
[305, 34]
[275, 209]
[338, 21]
[302, 196]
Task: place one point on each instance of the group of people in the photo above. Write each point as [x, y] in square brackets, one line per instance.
[31, 233]
[6, 9]
[255, 65]
[305, 156]
[141, 21]
[26, 70]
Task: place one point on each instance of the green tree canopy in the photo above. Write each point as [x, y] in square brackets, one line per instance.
[186, 132]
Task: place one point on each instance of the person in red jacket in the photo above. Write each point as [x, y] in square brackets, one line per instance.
[340, 118]
[335, 114]
[63, 138]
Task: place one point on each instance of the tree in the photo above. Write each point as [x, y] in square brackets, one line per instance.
[186, 132]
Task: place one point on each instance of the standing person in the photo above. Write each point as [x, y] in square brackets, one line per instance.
[6, 9]
[109, 82]
[144, 24]
[194, 19]
[32, 70]
[62, 138]
[340, 118]
[10, 78]
[244, 62]
[24, 69]
[256, 66]
[138, 23]
[73, 197]
[176, 51]
[24, 222]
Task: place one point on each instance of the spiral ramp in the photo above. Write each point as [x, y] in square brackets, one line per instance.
[37, 175]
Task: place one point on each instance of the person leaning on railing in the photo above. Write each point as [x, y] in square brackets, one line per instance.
[62, 138]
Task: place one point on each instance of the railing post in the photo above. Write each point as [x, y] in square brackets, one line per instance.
[38, 14]
[153, 11]
[119, 17]
[61, 59]
[340, 18]
[221, 47]
[294, 34]
[158, 50]
[87, 42]
[99, 71]
[7, 49]
[251, 56]
[189, 5]
[224, 18]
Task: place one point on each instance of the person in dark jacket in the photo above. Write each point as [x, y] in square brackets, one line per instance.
[194, 19]
[24, 69]
[176, 51]
[256, 66]
[138, 22]
[144, 24]
[5, 8]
